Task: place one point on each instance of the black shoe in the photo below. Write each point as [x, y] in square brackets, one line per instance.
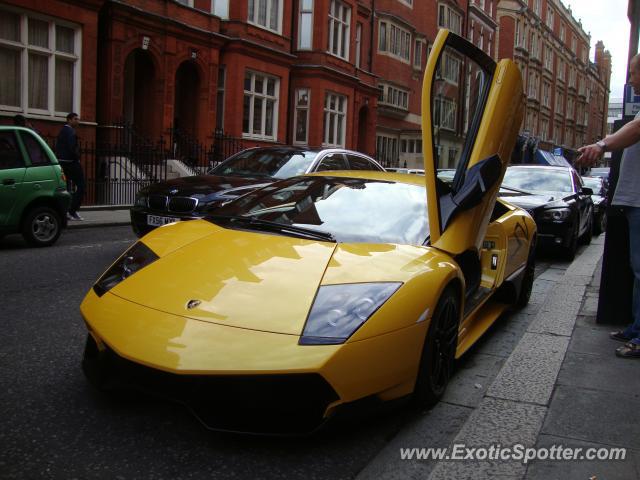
[619, 336]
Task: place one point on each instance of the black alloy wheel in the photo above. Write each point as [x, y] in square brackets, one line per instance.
[569, 252]
[588, 233]
[439, 350]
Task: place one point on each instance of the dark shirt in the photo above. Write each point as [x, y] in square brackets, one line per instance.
[67, 145]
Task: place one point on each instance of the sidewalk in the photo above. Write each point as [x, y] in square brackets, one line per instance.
[544, 376]
[101, 217]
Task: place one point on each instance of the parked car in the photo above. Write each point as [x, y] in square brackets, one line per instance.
[33, 188]
[599, 185]
[326, 292]
[187, 198]
[558, 201]
[412, 171]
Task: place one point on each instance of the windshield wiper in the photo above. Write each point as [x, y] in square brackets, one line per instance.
[517, 190]
[269, 226]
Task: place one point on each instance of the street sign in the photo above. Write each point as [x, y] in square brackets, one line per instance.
[631, 101]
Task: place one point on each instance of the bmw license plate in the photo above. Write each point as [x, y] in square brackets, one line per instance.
[157, 221]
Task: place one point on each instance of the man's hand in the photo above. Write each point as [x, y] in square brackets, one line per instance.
[589, 154]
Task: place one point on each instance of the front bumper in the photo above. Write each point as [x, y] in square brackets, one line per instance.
[139, 219]
[555, 235]
[243, 380]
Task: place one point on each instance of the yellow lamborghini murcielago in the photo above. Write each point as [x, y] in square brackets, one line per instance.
[325, 292]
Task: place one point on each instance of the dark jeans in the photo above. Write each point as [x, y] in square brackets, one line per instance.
[633, 216]
[75, 183]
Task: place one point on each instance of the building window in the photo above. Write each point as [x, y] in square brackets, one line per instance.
[260, 108]
[358, 44]
[40, 59]
[545, 129]
[301, 116]
[305, 26]
[449, 18]
[559, 102]
[186, 3]
[550, 15]
[396, 41]
[393, 96]
[561, 74]
[546, 94]
[445, 113]
[548, 58]
[266, 14]
[335, 120]
[536, 8]
[562, 32]
[411, 145]
[574, 43]
[408, 3]
[418, 48]
[339, 21]
[220, 98]
[451, 71]
[387, 150]
[220, 8]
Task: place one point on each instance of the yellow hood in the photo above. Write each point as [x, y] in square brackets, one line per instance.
[241, 279]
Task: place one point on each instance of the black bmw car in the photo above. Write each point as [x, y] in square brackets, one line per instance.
[557, 200]
[187, 198]
[599, 185]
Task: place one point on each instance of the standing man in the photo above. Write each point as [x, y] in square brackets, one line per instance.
[626, 196]
[68, 153]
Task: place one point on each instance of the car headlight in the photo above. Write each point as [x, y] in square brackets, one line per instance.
[141, 199]
[134, 259]
[339, 310]
[555, 214]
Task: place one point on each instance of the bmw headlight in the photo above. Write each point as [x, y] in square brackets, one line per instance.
[134, 259]
[339, 310]
[555, 214]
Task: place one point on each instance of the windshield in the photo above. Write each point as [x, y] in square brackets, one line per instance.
[593, 183]
[278, 163]
[350, 209]
[538, 180]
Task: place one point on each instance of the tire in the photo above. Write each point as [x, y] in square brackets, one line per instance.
[529, 275]
[588, 234]
[438, 352]
[569, 252]
[41, 226]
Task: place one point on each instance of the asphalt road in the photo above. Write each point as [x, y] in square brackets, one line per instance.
[54, 425]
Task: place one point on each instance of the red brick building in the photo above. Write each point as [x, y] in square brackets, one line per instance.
[566, 94]
[310, 72]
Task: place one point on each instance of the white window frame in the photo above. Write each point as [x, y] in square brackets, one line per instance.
[339, 135]
[185, 3]
[341, 50]
[536, 8]
[301, 110]
[418, 52]
[22, 45]
[448, 111]
[446, 68]
[252, 94]
[255, 20]
[387, 149]
[358, 44]
[548, 58]
[397, 41]
[449, 18]
[546, 94]
[408, 3]
[410, 145]
[550, 17]
[394, 96]
[304, 12]
[562, 32]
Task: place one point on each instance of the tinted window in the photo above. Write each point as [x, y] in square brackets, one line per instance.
[333, 161]
[278, 163]
[353, 210]
[538, 180]
[357, 162]
[10, 156]
[37, 154]
[593, 183]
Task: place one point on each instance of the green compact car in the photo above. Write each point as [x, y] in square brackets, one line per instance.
[33, 189]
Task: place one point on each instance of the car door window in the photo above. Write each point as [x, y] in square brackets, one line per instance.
[10, 156]
[356, 162]
[333, 161]
[37, 154]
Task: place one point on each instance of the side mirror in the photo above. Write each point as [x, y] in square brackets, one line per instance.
[478, 180]
[587, 191]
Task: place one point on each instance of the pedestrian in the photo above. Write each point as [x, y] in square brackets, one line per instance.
[627, 197]
[68, 153]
